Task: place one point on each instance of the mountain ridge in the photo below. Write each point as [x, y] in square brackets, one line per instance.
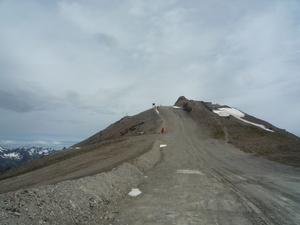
[12, 157]
[118, 143]
[198, 155]
[280, 146]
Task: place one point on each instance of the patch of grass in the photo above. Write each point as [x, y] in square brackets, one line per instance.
[277, 146]
[217, 132]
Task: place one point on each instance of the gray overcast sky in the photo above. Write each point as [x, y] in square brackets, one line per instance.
[70, 68]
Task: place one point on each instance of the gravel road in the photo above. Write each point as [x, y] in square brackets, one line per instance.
[201, 180]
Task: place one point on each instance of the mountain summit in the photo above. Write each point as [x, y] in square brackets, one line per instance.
[221, 122]
[186, 161]
[246, 132]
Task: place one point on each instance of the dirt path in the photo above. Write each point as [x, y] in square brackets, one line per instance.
[204, 181]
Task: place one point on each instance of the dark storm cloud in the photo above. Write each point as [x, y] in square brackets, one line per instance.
[22, 101]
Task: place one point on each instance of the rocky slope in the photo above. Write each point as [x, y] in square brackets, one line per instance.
[118, 143]
[78, 185]
[280, 145]
[83, 201]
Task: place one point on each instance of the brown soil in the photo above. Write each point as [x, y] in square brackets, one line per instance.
[132, 136]
[280, 145]
[120, 142]
[199, 177]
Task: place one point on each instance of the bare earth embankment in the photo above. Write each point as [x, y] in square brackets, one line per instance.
[202, 180]
[200, 177]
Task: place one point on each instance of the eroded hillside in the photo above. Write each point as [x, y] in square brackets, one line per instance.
[280, 145]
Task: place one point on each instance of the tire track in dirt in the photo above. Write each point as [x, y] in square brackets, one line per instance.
[217, 191]
[267, 210]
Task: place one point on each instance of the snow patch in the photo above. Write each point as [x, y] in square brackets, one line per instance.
[134, 192]
[44, 152]
[12, 155]
[40, 151]
[223, 112]
[189, 172]
[31, 151]
[229, 111]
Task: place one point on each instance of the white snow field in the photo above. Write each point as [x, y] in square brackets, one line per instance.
[237, 114]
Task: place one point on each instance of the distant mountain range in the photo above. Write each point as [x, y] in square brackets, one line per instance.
[12, 157]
